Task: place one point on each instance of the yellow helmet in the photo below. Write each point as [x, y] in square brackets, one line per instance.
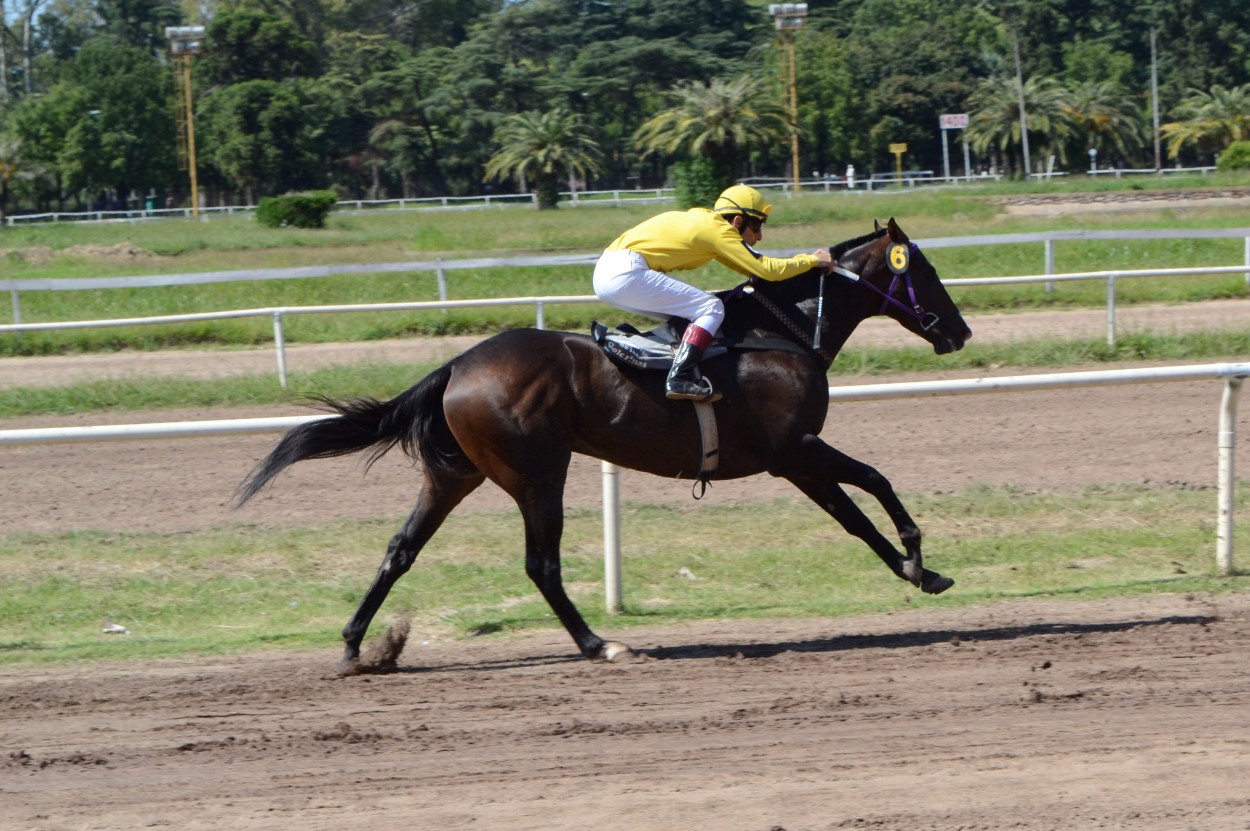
[741, 199]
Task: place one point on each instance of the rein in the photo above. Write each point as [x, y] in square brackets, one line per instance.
[790, 323]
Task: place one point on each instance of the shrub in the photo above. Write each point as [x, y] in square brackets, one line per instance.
[296, 210]
[1236, 156]
[696, 183]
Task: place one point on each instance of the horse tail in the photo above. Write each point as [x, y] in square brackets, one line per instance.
[413, 419]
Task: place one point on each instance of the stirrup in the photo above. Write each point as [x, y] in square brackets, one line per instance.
[680, 390]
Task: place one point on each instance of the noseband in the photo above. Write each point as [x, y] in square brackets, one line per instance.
[927, 320]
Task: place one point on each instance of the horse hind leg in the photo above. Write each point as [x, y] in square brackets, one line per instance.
[440, 494]
[543, 512]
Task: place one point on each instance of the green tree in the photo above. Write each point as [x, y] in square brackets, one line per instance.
[259, 137]
[906, 62]
[414, 25]
[994, 117]
[138, 23]
[105, 125]
[718, 120]
[1209, 120]
[1109, 119]
[250, 46]
[40, 127]
[544, 149]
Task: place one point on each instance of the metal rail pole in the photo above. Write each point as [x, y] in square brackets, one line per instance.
[279, 342]
[612, 538]
[1227, 476]
[1111, 310]
[1050, 264]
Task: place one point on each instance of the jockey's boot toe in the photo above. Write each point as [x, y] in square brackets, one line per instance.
[699, 390]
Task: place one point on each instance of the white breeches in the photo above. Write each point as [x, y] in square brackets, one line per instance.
[623, 279]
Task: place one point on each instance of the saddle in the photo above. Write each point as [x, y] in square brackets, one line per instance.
[627, 346]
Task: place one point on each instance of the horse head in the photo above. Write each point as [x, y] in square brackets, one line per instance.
[898, 281]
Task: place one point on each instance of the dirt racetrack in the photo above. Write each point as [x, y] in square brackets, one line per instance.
[1056, 716]
[1035, 714]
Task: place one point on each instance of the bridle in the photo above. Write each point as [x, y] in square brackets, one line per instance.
[927, 320]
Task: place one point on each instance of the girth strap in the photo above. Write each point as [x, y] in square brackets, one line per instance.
[709, 447]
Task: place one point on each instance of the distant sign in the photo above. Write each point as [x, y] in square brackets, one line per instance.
[953, 121]
[898, 148]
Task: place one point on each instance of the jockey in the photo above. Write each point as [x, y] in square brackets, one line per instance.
[633, 273]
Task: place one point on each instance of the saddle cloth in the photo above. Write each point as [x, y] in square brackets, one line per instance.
[627, 346]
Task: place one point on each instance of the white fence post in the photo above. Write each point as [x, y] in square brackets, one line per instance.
[1227, 476]
[1111, 310]
[279, 343]
[612, 539]
[1050, 264]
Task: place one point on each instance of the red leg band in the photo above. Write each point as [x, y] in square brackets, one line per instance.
[697, 336]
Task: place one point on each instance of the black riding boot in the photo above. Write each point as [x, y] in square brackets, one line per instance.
[684, 381]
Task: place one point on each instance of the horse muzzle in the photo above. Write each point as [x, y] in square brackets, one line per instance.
[944, 342]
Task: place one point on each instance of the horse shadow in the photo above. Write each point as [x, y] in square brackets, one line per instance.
[837, 643]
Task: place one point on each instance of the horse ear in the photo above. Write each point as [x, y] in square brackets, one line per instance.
[876, 226]
[896, 233]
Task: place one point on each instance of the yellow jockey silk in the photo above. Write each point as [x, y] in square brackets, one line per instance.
[682, 240]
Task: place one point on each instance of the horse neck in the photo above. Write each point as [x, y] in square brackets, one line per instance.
[842, 311]
[841, 314]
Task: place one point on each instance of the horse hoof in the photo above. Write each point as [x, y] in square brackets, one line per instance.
[349, 667]
[616, 653]
[937, 584]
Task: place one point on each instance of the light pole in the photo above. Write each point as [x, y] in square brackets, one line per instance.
[185, 42]
[1093, 159]
[788, 19]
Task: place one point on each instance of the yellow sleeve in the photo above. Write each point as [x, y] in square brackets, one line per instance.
[733, 252]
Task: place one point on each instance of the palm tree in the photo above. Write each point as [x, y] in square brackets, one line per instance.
[545, 149]
[718, 120]
[1210, 120]
[994, 115]
[1109, 117]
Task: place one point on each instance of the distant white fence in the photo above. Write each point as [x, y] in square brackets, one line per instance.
[1226, 440]
[575, 198]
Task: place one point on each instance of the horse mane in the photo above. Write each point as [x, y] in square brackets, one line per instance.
[841, 248]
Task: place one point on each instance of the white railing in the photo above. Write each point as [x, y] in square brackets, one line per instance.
[441, 266]
[1232, 374]
[613, 198]
[279, 313]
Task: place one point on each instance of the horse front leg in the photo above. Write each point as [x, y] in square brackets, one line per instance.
[440, 494]
[819, 470]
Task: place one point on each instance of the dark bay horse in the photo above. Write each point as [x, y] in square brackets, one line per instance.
[514, 408]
